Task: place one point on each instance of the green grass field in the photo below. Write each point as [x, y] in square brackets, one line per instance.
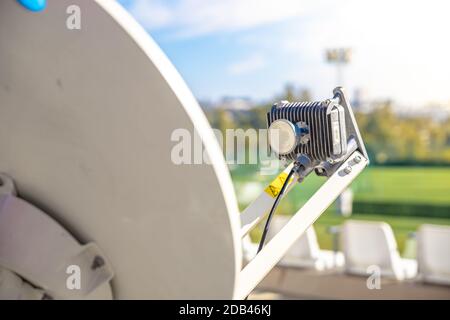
[400, 184]
[390, 184]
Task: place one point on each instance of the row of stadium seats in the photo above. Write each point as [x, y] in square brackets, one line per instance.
[365, 244]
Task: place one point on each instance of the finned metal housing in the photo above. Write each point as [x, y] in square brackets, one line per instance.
[332, 130]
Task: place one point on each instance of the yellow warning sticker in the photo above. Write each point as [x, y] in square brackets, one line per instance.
[274, 188]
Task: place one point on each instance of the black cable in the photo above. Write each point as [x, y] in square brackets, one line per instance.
[274, 206]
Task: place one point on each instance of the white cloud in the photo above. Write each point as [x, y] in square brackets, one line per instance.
[247, 65]
[189, 18]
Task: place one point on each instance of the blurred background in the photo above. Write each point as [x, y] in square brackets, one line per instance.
[239, 56]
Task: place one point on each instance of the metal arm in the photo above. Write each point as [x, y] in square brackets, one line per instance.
[269, 256]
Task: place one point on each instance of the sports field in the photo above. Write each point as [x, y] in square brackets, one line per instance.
[397, 185]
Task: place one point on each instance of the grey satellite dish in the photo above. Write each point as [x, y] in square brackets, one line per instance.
[92, 205]
[86, 118]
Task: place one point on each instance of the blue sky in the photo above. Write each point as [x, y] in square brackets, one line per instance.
[254, 47]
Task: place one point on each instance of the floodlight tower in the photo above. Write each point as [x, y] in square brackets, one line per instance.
[339, 57]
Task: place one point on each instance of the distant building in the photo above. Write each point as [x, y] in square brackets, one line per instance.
[236, 103]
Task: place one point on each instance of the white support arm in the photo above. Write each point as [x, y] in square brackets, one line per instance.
[269, 256]
[256, 211]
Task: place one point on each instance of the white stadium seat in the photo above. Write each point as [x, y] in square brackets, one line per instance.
[433, 253]
[305, 253]
[249, 248]
[366, 244]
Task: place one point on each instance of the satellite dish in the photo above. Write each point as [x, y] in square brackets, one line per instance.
[86, 118]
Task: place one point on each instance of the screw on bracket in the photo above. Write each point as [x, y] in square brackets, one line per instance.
[46, 296]
[348, 169]
[97, 263]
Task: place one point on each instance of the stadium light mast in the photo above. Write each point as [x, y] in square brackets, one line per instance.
[339, 57]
